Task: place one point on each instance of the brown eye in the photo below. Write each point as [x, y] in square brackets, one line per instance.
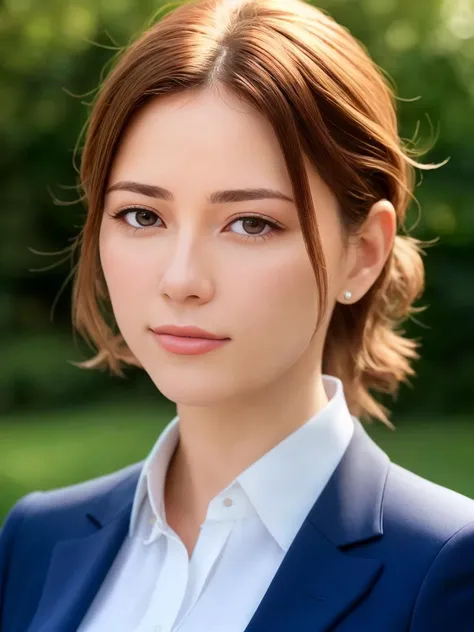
[140, 218]
[253, 225]
[145, 218]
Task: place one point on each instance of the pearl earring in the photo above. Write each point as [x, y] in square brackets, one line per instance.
[347, 295]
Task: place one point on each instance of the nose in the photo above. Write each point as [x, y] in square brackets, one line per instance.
[186, 273]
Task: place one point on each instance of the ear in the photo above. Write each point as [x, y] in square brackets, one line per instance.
[369, 250]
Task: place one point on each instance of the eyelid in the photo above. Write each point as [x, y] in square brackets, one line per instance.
[133, 207]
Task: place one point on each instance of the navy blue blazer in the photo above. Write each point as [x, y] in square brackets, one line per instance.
[382, 550]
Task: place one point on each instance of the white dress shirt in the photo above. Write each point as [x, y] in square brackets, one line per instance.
[153, 586]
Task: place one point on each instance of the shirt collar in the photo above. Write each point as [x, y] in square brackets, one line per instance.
[284, 483]
[158, 461]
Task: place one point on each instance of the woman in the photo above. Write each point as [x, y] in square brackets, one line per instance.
[244, 176]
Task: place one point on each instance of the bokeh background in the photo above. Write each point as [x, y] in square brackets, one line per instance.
[60, 424]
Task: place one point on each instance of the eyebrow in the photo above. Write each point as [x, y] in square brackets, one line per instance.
[217, 197]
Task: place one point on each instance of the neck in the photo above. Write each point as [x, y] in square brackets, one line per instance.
[218, 443]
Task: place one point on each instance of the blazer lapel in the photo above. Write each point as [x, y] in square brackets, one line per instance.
[318, 582]
[79, 566]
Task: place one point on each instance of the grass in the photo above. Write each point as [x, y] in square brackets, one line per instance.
[66, 447]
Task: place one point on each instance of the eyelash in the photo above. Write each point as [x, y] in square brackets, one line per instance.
[120, 216]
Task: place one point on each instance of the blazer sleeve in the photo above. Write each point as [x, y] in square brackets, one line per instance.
[8, 534]
[446, 598]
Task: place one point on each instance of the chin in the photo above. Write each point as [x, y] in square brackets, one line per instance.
[194, 392]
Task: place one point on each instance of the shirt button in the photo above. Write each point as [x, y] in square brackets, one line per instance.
[228, 502]
[157, 628]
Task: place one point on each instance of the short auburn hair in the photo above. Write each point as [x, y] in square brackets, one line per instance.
[325, 99]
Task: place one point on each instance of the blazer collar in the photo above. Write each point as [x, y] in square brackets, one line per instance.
[316, 584]
[107, 507]
[349, 510]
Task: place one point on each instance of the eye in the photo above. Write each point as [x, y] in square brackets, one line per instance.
[138, 217]
[254, 224]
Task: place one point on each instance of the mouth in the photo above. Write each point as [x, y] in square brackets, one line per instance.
[189, 331]
[188, 345]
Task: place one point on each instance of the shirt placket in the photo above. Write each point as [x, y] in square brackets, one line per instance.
[224, 510]
[170, 588]
[209, 546]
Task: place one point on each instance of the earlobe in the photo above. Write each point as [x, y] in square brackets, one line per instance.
[346, 297]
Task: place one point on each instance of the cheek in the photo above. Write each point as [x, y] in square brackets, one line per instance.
[126, 275]
[275, 304]
[285, 292]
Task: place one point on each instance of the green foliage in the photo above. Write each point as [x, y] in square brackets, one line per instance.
[52, 50]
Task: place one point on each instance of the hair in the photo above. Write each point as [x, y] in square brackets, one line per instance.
[326, 99]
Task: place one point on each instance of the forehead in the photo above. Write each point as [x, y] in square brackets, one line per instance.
[204, 135]
[199, 141]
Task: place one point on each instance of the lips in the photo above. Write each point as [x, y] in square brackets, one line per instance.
[189, 345]
[188, 331]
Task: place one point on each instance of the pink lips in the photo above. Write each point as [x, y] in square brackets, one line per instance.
[188, 346]
[187, 340]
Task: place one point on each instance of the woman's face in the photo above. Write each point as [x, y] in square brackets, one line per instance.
[185, 260]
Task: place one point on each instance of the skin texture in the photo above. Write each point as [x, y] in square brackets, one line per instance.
[195, 265]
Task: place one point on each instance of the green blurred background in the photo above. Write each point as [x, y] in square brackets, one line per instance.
[60, 424]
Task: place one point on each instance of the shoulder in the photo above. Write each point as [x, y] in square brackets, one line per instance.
[54, 510]
[423, 507]
[430, 543]
[420, 517]
[82, 493]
